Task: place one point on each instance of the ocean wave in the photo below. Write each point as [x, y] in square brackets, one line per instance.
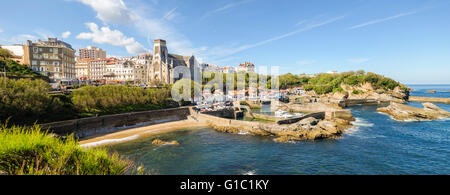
[362, 123]
[357, 125]
[109, 141]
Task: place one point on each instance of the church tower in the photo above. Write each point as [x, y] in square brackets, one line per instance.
[160, 69]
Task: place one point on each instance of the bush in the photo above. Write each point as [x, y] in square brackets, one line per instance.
[117, 98]
[326, 83]
[30, 151]
[27, 101]
[356, 92]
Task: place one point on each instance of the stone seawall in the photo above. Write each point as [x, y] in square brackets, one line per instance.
[353, 102]
[111, 123]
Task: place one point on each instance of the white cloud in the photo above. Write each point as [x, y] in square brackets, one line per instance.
[1, 30]
[148, 25]
[110, 10]
[171, 14]
[226, 7]
[66, 34]
[358, 60]
[105, 35]
[382, 20]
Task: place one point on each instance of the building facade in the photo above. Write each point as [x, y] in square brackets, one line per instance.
[53, 58]
[82, 69]
[91, 52]
[246, 67]
[163, 64]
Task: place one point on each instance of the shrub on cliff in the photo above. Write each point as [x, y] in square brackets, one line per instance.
[30, 151]
[326, 83]
[116, 98]
[26, 101]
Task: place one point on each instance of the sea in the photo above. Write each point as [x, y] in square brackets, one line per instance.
[377, 144]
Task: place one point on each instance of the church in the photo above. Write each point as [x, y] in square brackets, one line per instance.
[163, 64]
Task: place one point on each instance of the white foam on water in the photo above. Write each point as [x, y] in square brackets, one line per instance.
[243, 133]
[357, 124]
[362, 123]
[251, 172]
[444, 119]
[109, 141]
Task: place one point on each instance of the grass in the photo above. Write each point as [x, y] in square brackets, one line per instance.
[31, 151]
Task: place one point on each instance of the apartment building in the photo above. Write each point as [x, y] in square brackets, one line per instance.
[91, 52]
[82, 69]
[99, 68]
[53, 58]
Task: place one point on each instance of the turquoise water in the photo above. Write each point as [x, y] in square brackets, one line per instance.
[376, 145]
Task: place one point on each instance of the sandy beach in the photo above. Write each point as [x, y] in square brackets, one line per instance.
[136, 133]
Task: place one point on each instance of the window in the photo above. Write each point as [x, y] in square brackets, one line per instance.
[34, 62]
[35, 49]
[56, 63]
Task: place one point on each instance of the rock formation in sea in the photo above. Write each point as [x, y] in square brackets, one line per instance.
[158, 142]
[403, 112]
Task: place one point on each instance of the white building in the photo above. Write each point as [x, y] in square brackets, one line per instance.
[246, 67]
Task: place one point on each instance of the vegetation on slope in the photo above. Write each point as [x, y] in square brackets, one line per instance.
[15, 69]
[110, 99]
[326, 83]
[31, 151]
[27, 101]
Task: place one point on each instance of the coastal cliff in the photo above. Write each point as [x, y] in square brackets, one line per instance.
[403, 112]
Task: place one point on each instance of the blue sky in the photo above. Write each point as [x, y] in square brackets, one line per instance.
[408, 40]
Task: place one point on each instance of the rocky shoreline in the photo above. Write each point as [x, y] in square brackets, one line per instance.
[403, 112]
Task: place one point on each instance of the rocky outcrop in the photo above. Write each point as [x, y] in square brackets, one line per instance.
[407, 113]
[431, 91]
[367, 91]
[307, 129]
[429, 99]
[158, 142]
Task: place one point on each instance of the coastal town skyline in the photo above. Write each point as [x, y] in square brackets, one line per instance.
[383, 37]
